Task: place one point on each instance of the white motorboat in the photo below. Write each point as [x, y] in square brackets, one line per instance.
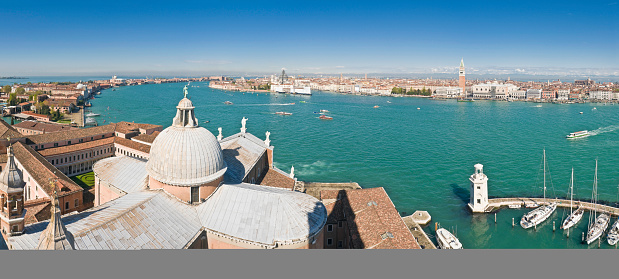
[575, 216]
[613, 234]
[446, 240]
[540, 214]
[579, 134]
[92, 114]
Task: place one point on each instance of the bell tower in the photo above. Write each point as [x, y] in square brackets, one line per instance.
[462, 79]
[479, 190]
[12, 210]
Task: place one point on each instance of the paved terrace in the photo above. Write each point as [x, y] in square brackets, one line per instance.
[497, 203]
[421, 236]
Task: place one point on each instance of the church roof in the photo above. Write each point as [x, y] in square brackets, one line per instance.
[141, 220]
[124, 173]
[260, 214]
[241, 152]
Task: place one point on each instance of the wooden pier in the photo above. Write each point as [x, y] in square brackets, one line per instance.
[500, 202]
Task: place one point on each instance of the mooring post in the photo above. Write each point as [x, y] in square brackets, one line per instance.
[568, 233]
[583, 236]
[512, 222]
[599, 241]
[553, 226]
[536, 227]
[495, 218]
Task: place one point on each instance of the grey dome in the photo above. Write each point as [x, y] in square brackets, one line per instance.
[11, 177]
[185, 154]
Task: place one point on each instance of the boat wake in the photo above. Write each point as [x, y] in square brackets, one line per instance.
[602, 130]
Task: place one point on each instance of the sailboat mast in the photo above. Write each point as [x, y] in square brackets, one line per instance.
[595, 187]
[571, 192]
[544, 175]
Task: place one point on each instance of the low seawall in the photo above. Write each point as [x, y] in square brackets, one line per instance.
[499, 202]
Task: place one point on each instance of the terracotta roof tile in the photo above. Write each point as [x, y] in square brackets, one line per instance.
[7, 131]
[72, 134]
[127, 127]
[75, 147]
[43, 172]
[274, 178]
[132, 144]
[372, 218]
[147, 138]
[47, 127]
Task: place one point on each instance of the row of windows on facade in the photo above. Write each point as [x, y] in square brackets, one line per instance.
[127, 153]
[340, 243]
[80, 156]
[37, 147]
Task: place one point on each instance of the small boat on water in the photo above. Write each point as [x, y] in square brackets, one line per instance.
[579, 134]
[301, 101]
[514, 206]
[446, 240]
[207, 121]
[324, 117]
[389, 102]
[291, 103]
[92, 114]
[228, 103]
[283, 113]
[575, 216]
[376, 106]
[581, 112]
[324, 110]
[466, 100]
[613, 234]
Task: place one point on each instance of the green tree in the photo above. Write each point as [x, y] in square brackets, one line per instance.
[13, 99]
[20, 90]
[6, 89]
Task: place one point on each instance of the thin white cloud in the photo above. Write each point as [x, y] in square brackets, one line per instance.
[209, 62]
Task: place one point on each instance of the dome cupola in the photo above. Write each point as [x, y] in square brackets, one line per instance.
[185, 155]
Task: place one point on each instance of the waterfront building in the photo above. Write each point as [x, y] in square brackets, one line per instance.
[605, 95]
[563, 94]
[519, 94]
[493, 90]
[534, 94]
[479, 190]
[448, 92]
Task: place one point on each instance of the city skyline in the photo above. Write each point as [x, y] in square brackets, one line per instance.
[525, 38]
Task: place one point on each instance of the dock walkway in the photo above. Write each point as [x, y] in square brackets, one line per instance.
[499, 202]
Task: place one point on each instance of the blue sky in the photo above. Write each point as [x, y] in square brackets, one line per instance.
[210, 37]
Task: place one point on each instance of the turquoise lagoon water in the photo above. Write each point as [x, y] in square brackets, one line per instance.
[421, 151]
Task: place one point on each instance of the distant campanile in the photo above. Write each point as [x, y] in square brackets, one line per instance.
[462, 81]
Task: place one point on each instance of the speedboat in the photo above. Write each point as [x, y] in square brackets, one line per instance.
[324, 110]
[446, 240]
[283, 113]
[228, 103]
[324, 117]
[92, 114]
[579, 134]
[376, 106]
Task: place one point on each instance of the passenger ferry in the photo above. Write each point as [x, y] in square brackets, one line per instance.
[580, 134]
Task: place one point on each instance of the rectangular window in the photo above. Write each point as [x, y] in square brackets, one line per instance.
[92, 138]
[329, 241]
[69, 142]
[329, 228]
[340, 224]
[478, 187]
[195, 194]
[66, 205]
[340, 244]
[81, 140]
[55, 144]
[479, 201]
[77, 203]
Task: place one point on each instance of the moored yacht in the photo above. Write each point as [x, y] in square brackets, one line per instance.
[446, 240]
[597, 225]
[613, 234]
[540, 214]
[575, 216]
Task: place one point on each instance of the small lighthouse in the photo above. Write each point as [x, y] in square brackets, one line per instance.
[479, 190]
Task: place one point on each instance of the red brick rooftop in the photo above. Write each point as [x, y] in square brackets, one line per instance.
[43, 172]
[7, 130]
[75, 147]
[274, 178]
[372, 218]
[73, 134]
[132, 144]
[47, 127]
[147, 138]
